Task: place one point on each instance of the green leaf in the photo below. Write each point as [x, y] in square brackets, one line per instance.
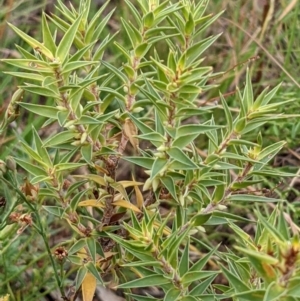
[103, 46]
[176, 165]
[200, 219]
[66, 42]
[230, 216]
[189, 89]
[123, 50]
[30, 64]
[197, 49]
[252, 295]
[195, 129]
[177, 154]
[142, 263]
[143, 162]
[25, 75]
[142, 298]
[152, 137]
[62, 117]
[262, 257]
[41, 110]
[159, 166]
[185, 259]
[235, 282]
[76, 199]
[57, 211]
[172, 294]
[135, 12]
[242, 142]
[199, 265]
[137, 249]
[172, 247]
[228, 115]
[270, 151]
[248, 92]
[68, 166]
[75, 259]
[59, 138]
[152, 280]
[93, 270]
[115, 71]
[251, 198]
[263, 99]
[87, 152]
[40, 91]
[91, 244]
[80, 276]
[40, 149]
[47, 36]
[277, 236]
[202, 286]
[25, 54]
[190, 277]
[170, 185]
[70, 66]
[191, 111]
[272, 172]
[32, 154]
[32, 42]
[141, 50]
[191, 298]
[32, 169]
[113, 92]
[93, 34]
[235, 156]
[78, 245]
[274, 292]
[183, 141]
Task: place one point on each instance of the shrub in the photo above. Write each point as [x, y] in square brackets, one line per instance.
[138, 173]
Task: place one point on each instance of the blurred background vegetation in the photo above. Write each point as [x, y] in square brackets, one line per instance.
[262, 34]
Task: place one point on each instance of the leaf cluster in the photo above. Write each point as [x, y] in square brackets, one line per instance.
[153, 121]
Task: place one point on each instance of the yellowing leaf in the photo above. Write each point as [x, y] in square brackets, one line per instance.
[126, 184]
[269, 270]
[125, 204]
[138, 194]
[92, 203]
[88, 287]
[166, 230]
[4, 298]
[95, 178]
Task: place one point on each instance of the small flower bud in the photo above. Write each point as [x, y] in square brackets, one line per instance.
[221, 207]
[61, 108]
[83, 137]
[69, 123]
[11, 163]
[61, 254]
[125, 89]
[138, 110]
